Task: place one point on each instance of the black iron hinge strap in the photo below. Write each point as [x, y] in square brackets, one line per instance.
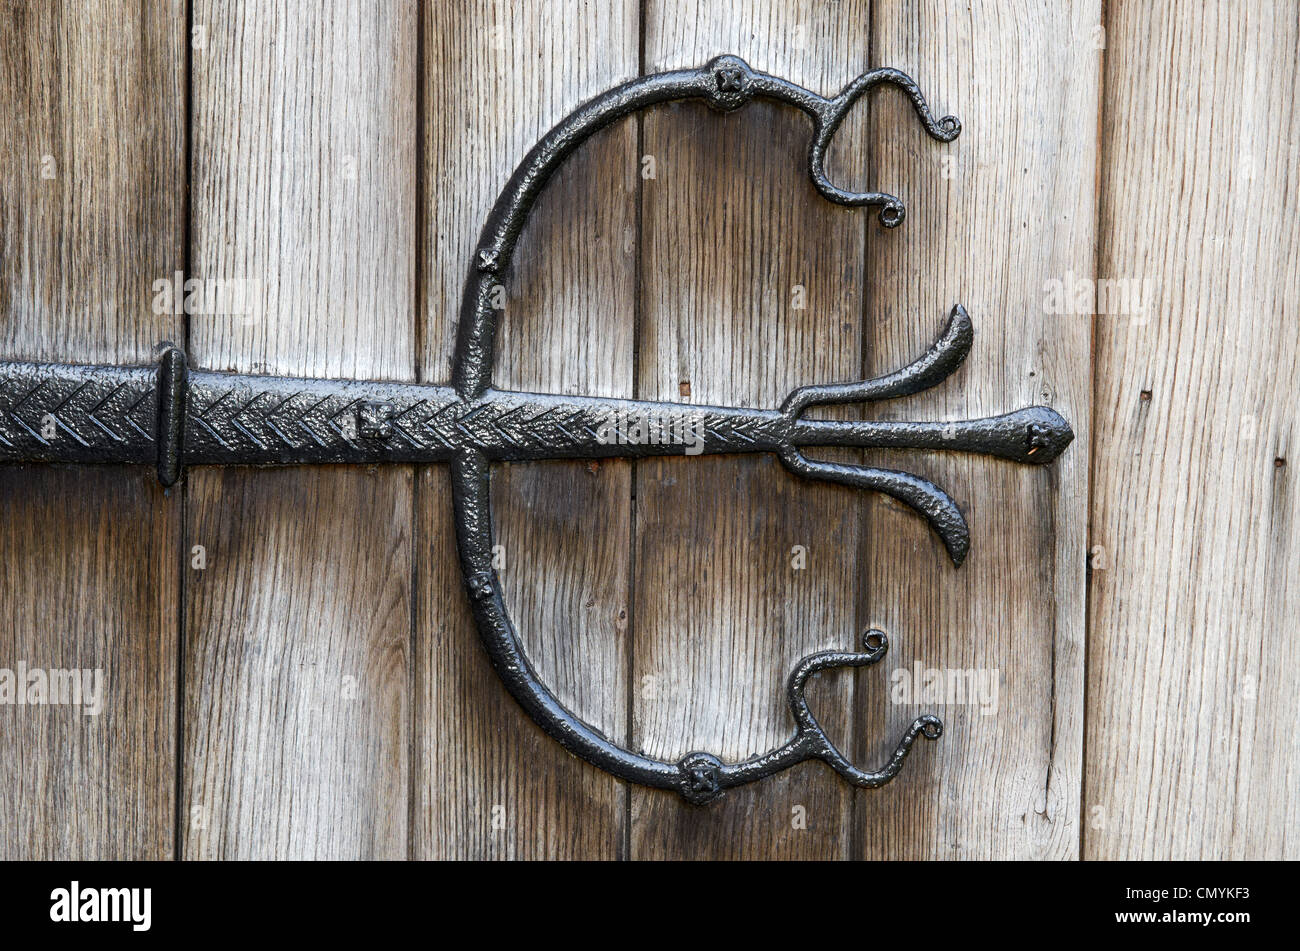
[173, 378]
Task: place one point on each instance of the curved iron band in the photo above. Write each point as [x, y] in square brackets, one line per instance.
[726, 83]
[699, 777]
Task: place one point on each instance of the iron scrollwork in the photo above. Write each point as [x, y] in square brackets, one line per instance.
[171, 417]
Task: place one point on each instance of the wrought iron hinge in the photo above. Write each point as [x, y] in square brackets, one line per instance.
[172, 417]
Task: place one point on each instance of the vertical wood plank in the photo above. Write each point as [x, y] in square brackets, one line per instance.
[1192, 751]
[751, 286]
[488, 782]
[296, 717]
[92, 117]
[992, 218]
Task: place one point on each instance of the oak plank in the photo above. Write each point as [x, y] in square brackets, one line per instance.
[92, 117]
[1192, 751]
[731, 227]
[991, 218]
[488, 782]
[297, 636]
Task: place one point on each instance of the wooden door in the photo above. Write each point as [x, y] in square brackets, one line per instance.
[290, 669]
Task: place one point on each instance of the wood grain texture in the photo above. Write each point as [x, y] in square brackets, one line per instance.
[297, 700]
[488, 782]
[1015, 211]
[91, 212]
[1191, 747]
[735, 239]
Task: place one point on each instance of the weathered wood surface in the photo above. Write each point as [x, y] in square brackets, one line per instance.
[92, 211]
[1195, 591]
[993, 217]
[332, 696]
[751, 286]
[489, 783]
[297, 631]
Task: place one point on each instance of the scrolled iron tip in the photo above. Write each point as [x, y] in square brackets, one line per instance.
[892, 213]
[949, 128]
[929, 726]
[875, 642]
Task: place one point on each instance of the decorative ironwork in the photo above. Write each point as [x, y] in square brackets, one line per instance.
[170, 417]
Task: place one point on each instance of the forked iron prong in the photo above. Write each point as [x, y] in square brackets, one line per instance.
[811, 734]
[930, 369]
[933, 504]
[831, 113]
[1035, 435]
[704, 776]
